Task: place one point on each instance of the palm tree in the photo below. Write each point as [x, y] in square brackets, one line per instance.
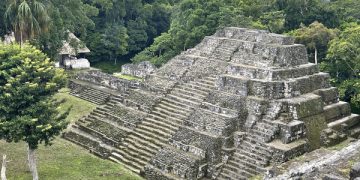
[27, 18]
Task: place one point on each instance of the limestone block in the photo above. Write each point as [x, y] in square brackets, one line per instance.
[211, 122]
[284, 152]
[173, 161]
[176, 68]
[199, 144]
[238, 138]
[254, 35]
[314, 126]
[304, 106]
[292, 131]
[329, 95]
[335, 111]
[204, 67]
[355, 171]
[266, 89]
[233, 85]
[291, 55]
[330, 137]
[107, 80]
[141, 69]
[225, 100]
[308, 84]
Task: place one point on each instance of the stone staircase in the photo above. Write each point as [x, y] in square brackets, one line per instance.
[89, 94]
[102, 129]
[225, 51]
[157, 128]
[253, 154]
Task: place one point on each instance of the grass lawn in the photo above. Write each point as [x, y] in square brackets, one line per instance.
[64, 160]
[108, 66]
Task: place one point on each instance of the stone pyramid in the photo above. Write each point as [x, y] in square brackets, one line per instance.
[236, 103]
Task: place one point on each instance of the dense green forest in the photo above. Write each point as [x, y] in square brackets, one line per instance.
[117, 31]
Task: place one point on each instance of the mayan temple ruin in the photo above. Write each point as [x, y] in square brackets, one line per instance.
[230, 107]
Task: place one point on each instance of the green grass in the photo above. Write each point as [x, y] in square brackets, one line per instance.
[79, 108]
[108, 66]
[127, 77]
[64, 160]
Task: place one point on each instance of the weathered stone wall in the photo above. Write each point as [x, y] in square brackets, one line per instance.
[107, 80]
[141, 69]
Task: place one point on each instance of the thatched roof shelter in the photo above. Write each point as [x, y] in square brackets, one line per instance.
[67, 49]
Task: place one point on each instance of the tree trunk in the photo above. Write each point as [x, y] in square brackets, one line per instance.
[32, 163]
[3, 168]
[316, 56]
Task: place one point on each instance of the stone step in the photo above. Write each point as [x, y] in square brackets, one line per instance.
[183, 100]
[252, 158]
[106, 121]
[255, 150]
[155, 123]
[92, 143]
[136, 141]
[172, 121]
[170, 113]
[137, 147]
[94, 133]
[247, 161]
[161, 121]
[239, 170]
[209, 82]
[348, 121]
[253, 153]
[156, 141]
[174, 103]
[189, 93]
[336, 111]
[95, 95]
[249, 168]
[156, 114]
[260, 136]
[253, 140]
[174, 108]
[151, 134]
[188, 97]
[193, 85]
[158, 130]
[134, 156]
[95, 101]
[203, 85]
[328, 95]
[229, 175]
[191, 90]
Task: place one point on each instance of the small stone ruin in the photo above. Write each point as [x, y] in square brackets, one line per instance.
[236, 103]
[140, 70]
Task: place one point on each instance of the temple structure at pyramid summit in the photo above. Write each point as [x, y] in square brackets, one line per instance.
[228, 108]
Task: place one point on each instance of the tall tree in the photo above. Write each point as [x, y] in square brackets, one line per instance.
[27, 18]
[316, 37]
[28, 80]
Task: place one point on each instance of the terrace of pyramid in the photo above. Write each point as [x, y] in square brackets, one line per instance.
[228, 108]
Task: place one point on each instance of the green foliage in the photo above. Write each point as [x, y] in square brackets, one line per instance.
[343, 64]
[299, 12]
[140, 22]
[192, 20]
[28, 80]
[27, 18]
[315, 37]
